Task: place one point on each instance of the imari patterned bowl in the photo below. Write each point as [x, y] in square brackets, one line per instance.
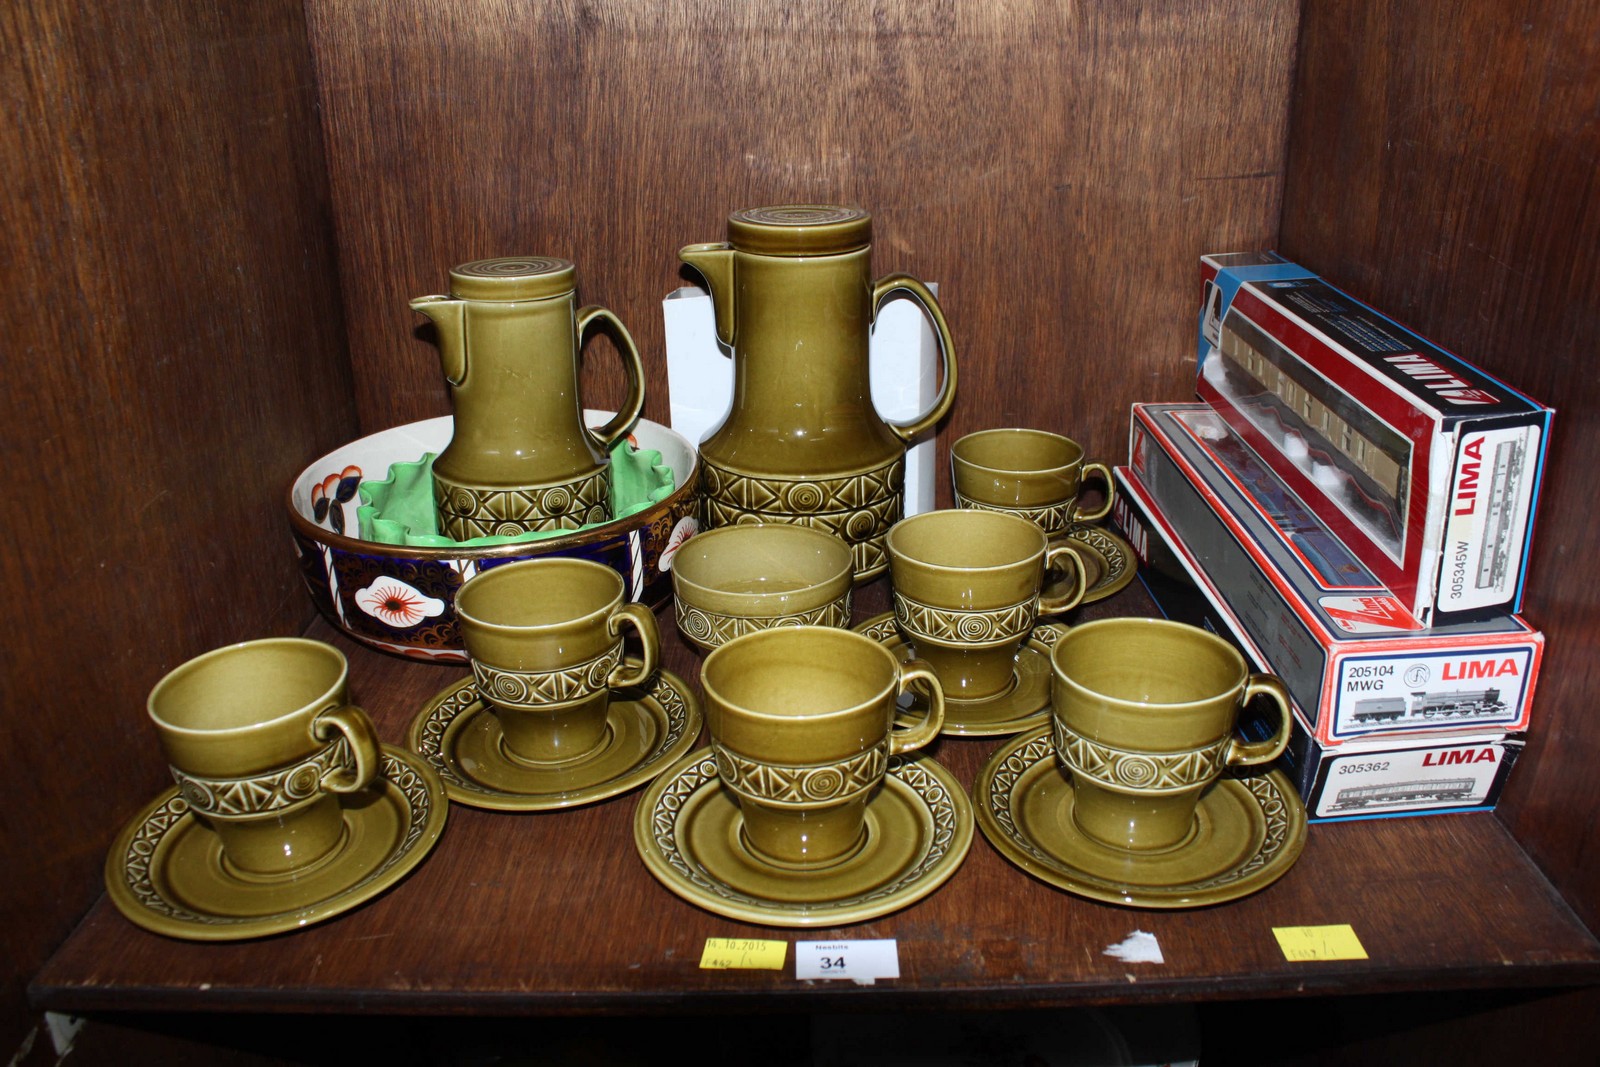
[737, 579]
[401, 598]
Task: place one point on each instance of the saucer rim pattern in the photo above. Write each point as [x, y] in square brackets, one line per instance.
[1119, 559]
[882, 629]
[930, 782]
[130, 880]
[1283, 818]
[680, 710]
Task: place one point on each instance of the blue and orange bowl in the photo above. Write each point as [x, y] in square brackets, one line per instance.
[401, 598]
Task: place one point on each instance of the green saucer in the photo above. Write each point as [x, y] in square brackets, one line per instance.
[646, 729]
[687, 829]
[1248, 833]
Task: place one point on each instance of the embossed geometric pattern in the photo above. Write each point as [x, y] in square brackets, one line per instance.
[1146, 771]
[801, 785]
[710, 629]
[804, 496]
[966, 627]
[430, 742]
[147, 840]
[272, 791]
[1279, 819]
[1053, 518]
[1106, 547]
[1004, 795]
[862, 530]
[467, 511]
[1002, 792]
[547, 687]
[864, 523]
[689, 780]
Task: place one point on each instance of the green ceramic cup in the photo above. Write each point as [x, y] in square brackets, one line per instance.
[731, 581]
[967, 593]
[802, 723]
[260, 737]
[1032, 473]
[1143, 712]
[545, 640]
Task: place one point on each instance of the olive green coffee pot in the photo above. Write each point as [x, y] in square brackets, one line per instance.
[803, 444]
[521, 458]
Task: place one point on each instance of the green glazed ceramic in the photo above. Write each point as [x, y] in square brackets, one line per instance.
[732, 581]
[510, 337]
[1022, 705]
[647, 728]
[1143, 712]
[1031, 473]
[545, 640]
[967, 593]
[802, 722]
[1109, 564]
[261, 738]
[918, 828]
[167, 872]
[795, 300]
[1247, 833]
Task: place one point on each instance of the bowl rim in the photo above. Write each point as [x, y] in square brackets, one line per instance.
[812, 595]
[344, 542]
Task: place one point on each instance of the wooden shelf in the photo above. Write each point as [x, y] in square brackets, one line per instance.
[549, 913]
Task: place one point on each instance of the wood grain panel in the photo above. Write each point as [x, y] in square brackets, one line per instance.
[1444, 166]
[1058, 169]
[173, 352]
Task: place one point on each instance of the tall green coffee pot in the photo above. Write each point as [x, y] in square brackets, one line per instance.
[521, 457]
[803, 444]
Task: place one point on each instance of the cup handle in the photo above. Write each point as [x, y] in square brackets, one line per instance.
[905, 283]
[644, 624]
[1104, 474]
[1056, 605]
[912, 738]
[358, 730]
[1252, 753]
[608, 435]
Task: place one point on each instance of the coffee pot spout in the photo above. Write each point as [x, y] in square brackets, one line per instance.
[715, 264]
[449, 317]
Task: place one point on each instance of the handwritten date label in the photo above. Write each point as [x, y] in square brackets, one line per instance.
[739, 953]
[1304, 944]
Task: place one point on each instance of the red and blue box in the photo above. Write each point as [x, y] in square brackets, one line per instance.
[1368, 776]
[1355, 661]
[1425, 466]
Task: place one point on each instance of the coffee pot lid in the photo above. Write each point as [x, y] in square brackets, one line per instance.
[800, 230]
[513, 278]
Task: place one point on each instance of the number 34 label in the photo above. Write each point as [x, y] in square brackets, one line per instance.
[859, 961]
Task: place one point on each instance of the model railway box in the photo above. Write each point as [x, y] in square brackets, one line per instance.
[1426, 466]
[1382, 775]
[1355, 661]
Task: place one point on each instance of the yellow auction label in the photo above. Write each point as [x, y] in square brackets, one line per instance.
[1315, 943]
[729, 953]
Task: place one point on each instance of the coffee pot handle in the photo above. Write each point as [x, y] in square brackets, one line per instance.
[608, 435]
[1251, 753]
[882, 289]
[358, 730]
